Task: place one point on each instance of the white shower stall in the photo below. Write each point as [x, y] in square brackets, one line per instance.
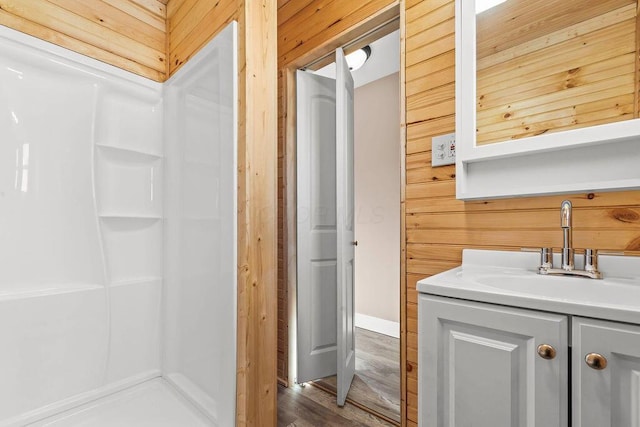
[117, 239]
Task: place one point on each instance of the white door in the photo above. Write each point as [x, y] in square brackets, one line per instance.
[345, 226]
[606, 390]
[481, 365]
[316, 232]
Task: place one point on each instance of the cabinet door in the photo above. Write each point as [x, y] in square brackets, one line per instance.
[479, 365]
[606, 396]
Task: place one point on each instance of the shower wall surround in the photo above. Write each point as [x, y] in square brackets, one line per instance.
[200, 230]
[117, 229]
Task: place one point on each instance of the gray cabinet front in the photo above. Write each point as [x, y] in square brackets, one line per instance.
[606, 374]
[485, 365]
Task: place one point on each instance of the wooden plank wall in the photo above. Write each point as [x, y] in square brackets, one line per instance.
[192, 23]
[559, 66]
[437, 225]
[304, 26]
[283, 293]
[130, 34]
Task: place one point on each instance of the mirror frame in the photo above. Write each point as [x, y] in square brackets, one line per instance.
[597, 158]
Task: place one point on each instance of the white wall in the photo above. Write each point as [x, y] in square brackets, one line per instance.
[377, 198]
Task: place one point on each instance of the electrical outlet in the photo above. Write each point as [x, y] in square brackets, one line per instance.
[443, 150]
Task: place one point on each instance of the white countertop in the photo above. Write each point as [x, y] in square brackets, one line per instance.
[510, 278]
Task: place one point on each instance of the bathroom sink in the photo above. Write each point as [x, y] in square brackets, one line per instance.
[528, 283]
[564, 287]
[511, 278]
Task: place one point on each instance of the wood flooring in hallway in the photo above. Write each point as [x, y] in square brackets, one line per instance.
[311, 407]
[375, 386]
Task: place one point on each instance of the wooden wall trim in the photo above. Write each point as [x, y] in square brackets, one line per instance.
[375, 34]
[636, 92]
[403, 233]
[290, 210]
[330, 38]
[257, 210]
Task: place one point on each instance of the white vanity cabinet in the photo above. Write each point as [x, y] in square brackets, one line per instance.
[605, 395]
[479, 365]
[489, 365]
[503, 346]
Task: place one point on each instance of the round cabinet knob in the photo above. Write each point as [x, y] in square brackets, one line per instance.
[546, 351]
[596, 361]
[354, 243]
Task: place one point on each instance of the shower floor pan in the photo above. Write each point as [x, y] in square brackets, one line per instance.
[154, 404]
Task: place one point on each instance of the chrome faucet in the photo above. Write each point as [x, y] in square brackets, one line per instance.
[568, 252]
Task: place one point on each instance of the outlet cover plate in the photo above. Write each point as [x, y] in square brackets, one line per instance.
[443, 150]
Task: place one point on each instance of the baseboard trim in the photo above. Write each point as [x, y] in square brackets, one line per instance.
[375, 324]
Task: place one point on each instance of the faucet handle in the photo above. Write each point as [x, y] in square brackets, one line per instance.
[546, 258]
[591, 260]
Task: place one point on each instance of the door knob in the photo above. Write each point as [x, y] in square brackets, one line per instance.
[596, 361]
[354, 243]
[546, 351]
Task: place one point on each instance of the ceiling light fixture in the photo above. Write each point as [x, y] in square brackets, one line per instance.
[357, 59]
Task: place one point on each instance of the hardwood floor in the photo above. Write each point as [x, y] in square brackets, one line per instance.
[311, 407]
[376, 384]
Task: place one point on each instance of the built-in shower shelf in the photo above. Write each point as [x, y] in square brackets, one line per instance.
[128, 183]
[115, 148]
[133, 246]
[122, 217]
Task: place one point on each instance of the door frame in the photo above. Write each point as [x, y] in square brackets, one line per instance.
[364, 32]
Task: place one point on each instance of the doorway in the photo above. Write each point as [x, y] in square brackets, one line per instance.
[375, 302]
